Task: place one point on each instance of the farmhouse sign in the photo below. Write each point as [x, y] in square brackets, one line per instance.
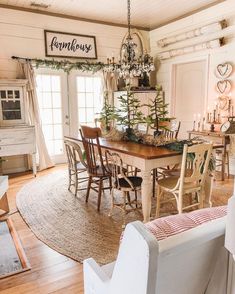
[58, 44]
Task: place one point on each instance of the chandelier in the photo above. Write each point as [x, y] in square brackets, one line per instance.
[130, 65]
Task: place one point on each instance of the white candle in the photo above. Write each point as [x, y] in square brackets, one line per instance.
[194, 117]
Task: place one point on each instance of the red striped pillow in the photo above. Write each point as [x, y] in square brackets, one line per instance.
[171, 225]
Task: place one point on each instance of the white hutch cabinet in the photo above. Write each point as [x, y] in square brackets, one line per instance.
[16, 136]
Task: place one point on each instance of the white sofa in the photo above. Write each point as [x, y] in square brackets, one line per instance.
[192, 262]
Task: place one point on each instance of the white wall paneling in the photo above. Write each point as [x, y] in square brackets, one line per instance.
[225, 10]
[22, 34]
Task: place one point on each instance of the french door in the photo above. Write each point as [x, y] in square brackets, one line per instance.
[65, 102]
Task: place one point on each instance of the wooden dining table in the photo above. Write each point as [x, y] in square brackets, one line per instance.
[146, 158]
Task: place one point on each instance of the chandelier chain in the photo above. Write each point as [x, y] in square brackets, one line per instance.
[129, 17]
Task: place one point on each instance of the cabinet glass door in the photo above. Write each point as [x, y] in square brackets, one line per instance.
[11, 105]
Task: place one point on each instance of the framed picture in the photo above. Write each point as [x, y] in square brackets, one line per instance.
[58, 44]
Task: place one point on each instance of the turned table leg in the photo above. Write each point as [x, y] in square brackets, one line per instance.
[146, 194]
[4, 203]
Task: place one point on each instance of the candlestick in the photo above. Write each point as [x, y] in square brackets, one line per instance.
[194, 122]
[214, 111]
[203, 123]
[198, 126]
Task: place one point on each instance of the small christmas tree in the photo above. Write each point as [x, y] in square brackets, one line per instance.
[107, 114]
[129, 113]
[157, 111]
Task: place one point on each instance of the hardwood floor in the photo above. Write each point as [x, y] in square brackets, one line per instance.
[52, 272]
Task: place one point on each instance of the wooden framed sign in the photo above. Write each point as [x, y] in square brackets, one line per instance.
[58, 44]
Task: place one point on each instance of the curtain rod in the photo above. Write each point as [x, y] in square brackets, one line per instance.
[65, 65]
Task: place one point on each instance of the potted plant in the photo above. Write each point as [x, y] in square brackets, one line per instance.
[107, 115]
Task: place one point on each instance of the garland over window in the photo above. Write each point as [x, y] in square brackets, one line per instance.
[65, 65]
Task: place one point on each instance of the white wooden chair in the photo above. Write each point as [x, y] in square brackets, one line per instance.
[124, 183]
[76, 165]
[195, 160]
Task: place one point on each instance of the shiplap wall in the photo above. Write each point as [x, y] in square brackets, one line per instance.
[226, 53]
[22, 34]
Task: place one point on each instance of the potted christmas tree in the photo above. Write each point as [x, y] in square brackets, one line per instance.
[107, 115]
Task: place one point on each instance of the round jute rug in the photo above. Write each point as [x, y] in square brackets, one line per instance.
[73, 227]
[67, 223]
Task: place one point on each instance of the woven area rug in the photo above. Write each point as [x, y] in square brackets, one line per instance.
[74, 228]
[66, 223]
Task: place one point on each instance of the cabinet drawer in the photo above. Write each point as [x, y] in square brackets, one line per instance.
[13, 137]
[9, 150]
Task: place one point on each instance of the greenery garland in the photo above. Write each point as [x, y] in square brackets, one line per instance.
[65, 65]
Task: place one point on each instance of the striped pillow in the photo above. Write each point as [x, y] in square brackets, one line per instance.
[171, 225]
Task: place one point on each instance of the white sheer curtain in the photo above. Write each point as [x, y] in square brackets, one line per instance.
[110, 81]
[32, 108]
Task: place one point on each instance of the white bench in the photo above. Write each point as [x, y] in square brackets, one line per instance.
[191, 262]
[3, 194]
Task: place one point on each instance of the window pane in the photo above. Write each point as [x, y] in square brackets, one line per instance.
[49, 99]
[81, 100]
[57, 119]
[89, 100]
[47, 131]
[90, 114]
[56, 100]
[47, 103]
[58, 133]
[82, 115]
[46, 83]
[89, 84]
[97, 85]
[80, 84]
[55, 84]
[46, 116]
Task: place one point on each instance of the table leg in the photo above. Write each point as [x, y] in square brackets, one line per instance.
[146, 194]
[4, 203]
[223, 161]
[34, 164]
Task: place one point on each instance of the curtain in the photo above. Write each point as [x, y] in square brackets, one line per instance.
[232, 146]
[110, 82]
[32, 109]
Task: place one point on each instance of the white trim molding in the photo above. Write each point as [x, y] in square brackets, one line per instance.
[205, 30]
[198, 47]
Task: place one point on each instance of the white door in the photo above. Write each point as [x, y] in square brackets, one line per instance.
[54, 113]
[86, 100]
[190, 94]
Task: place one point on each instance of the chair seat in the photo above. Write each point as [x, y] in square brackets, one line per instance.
[136, 182]
[81, 167]
[170, 183]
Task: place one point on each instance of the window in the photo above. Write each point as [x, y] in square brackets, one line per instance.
[50, 105]
[89, 98]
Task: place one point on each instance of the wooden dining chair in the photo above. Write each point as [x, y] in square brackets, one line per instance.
[194, 167]
[124, 183]
[97, 171]
[76, 165]
[170, 134]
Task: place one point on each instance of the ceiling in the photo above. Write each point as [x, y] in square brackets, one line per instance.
[148, 14]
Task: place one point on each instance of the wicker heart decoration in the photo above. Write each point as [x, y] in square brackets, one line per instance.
[223, 87]
[223, 103]
[224, 70]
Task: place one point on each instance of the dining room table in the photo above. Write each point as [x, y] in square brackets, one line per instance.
[144, 157]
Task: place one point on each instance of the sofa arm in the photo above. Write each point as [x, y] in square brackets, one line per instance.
[96, 280]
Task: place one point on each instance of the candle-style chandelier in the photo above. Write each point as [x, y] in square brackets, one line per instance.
[130, 65]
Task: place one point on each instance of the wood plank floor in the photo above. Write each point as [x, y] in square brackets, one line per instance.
[52, 272]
